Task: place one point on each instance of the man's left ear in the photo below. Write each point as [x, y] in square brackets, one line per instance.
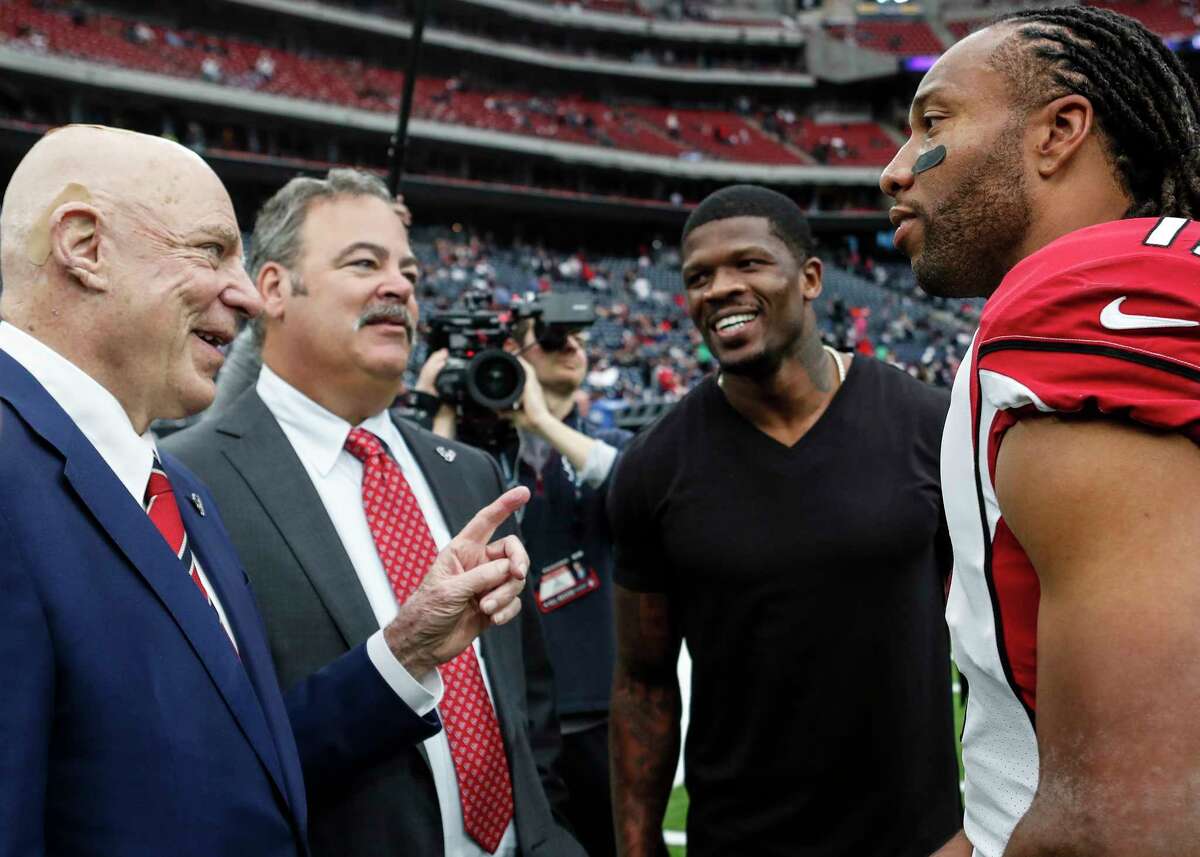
[76, 244]
[1063, 126]
[810, 278]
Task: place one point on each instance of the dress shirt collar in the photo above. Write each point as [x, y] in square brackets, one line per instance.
[94, 410]
[319, 434]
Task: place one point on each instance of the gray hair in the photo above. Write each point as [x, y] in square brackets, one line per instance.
[277, 228]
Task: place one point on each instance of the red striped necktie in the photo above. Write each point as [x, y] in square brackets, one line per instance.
[163, 510]
[407, 550]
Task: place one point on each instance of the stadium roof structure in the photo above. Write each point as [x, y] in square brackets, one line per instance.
[17, 60]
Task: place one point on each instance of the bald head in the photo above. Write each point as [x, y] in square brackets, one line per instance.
[122, 253]
[116, 171]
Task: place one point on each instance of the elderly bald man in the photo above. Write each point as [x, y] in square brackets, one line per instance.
[140, 713]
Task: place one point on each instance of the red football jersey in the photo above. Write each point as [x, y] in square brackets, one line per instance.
[1104, 320]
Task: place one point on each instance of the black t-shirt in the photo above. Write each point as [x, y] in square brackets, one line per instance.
[809, 585]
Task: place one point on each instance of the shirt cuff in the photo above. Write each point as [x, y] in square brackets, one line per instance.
[422, 695]
[599, 462]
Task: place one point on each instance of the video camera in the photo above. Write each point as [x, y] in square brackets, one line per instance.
[481, 379]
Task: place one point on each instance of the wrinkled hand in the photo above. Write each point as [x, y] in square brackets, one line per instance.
[434, 364]
[474, 583]
[533, 410]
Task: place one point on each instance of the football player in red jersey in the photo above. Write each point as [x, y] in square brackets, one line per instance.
[1054, 166]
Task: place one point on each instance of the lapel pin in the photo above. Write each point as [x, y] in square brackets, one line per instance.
[448, 454]
[198, 503]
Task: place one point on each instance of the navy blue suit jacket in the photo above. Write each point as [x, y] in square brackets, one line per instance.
[128, 724]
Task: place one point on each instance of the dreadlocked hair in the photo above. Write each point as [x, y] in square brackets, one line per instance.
[1146, 105]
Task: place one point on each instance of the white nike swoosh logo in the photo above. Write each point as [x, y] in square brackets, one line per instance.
[1112, 318]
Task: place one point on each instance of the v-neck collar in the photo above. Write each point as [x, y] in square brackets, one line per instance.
[831, 410]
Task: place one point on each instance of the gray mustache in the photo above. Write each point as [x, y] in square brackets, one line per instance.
[387, 312]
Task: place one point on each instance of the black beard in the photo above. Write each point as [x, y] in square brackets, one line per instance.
[757, 368]
[972, 239]
[765, 364]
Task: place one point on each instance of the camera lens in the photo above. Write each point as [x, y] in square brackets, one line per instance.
[495, 379]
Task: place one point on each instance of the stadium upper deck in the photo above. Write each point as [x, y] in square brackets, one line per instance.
[222, 74]
[755, 137]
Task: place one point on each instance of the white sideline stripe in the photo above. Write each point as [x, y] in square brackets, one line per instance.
[675, 837]
[685, 693]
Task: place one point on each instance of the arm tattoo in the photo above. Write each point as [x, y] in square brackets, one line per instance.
[644, 721]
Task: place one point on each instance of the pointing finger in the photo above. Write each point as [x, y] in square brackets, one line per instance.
[480, 528]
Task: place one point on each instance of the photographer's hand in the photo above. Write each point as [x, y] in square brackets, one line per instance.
[434, 364]
[534, 416]
[443, 420]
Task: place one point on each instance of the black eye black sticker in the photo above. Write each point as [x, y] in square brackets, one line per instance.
[929, 160]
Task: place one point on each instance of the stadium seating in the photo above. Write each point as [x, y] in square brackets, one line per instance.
[709, 134]
[1165, 17]
[722, 135]
[904, 38]
[1168, 18]
[718, 14]
[962, 29]
[844, 143]
[642, 328]
[613, 7]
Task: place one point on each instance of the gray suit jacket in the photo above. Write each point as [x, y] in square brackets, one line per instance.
[315, 610]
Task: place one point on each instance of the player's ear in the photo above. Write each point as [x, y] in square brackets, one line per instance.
[1062, 126]
[810, 278]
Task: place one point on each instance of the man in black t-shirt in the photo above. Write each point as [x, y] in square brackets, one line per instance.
[785, 520]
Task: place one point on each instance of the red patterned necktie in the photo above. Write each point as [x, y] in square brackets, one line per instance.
[407, 550]
[164, 513]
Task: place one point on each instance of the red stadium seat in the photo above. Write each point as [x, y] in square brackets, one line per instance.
[845, 143]
[1165, 17]
[709, 134]
[905, 38]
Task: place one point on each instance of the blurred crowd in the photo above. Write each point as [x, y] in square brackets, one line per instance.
[643, 348]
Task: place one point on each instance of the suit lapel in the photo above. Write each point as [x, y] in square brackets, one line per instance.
[226, 577]
[265, 458]
[131, 530]
[445, 480]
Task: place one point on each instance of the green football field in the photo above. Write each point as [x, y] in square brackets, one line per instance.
[676, 817]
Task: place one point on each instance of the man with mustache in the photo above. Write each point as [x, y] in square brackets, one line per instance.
[785, 520]
[141, 714]
[336, 508]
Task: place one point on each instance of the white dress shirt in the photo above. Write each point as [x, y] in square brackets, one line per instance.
[318, 437]
[100, 417]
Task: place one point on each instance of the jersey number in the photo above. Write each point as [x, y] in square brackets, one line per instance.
[1166, 231]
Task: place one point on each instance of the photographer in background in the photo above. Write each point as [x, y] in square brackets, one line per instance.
[566, 465]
